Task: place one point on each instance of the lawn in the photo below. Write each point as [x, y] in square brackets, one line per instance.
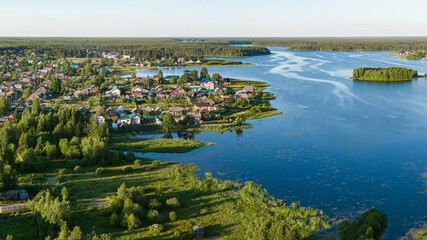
[123, 142]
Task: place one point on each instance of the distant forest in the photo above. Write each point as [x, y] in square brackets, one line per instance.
[157, 48]
[328, 44]
[149, 48]
[384, 74]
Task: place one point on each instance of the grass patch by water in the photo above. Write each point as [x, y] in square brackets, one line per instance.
[123, 142]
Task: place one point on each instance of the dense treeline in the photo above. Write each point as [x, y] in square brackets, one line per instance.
[370, 225]
[35, 137]
[328, 44]
[384, 74]
[141, 48]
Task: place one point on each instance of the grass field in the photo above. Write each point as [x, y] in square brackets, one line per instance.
[219, 212]
[123, 142]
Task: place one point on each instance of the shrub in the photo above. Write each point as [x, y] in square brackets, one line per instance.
[130, 156]
[100, 171]
[155, 164]
[127, 169]
[173, 202]
[155, 204]
[114, 219]
[153, 215]
[133, 222]
[63, 171]
[78, 169]
[172, 216]
[137, 163]
[72, 163]
[155, 229]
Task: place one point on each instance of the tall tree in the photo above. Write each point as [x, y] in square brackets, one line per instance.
[204, 73]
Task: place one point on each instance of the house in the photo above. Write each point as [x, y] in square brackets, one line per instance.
[14, 195]
[136, 91]
[12, 208]
[111, 111]
[204, 106]
[210, 85]
[83, 92]
[41, 90]
[93, 89]
[100, 118]
[176, 111]
[20, 107]
[84, 110]
[121, 111]
[196, 115]
[132, 119]
[178, 92]
[115, 92]
[33, 96]
[66, 98]
[248, 89]
[198, 231]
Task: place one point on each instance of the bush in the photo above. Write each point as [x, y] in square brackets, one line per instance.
[153, 215]
[130, 156]
[78, 169]
[62, 171]
[137, 163]
[133, 222]
[115, 220]
[155, 229]
[172, 216]
[72, 163]
[155, 204]
[173, 202]
[155, 164]
[100, 171]
[127, 169]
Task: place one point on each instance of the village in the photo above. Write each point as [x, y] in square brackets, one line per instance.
[192, 99]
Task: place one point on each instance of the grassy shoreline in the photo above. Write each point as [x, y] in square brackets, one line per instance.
[129, 70]
[215, 205]
[123, 142]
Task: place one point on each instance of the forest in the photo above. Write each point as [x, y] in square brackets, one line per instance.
[391, 74]
[327, 44]
[140, 48]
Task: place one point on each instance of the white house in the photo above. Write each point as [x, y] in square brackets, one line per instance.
[115, 92]
[100, 118]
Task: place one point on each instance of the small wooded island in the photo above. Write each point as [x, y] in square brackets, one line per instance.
[391, 74]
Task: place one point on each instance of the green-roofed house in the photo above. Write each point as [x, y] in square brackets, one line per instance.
[132, 119]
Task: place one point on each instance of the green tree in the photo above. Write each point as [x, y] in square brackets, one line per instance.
[172, 216]
[4, 106]
[167, 122]
[9, 177]
[55, 86]
[76, 234]
[36, 107]
[370, 225]
[64, 194]
[216, 77]
[133, 222]
[204, 73]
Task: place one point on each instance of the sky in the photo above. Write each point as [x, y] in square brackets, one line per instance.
[213, 18]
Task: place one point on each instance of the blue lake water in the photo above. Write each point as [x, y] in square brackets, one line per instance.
[340, 146]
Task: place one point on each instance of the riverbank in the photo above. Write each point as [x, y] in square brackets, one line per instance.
[120, 71]
[123, 142]
[225, 209]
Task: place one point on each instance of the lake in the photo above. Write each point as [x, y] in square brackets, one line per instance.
[340, 146]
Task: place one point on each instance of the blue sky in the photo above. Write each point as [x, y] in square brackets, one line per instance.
[218, 18]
